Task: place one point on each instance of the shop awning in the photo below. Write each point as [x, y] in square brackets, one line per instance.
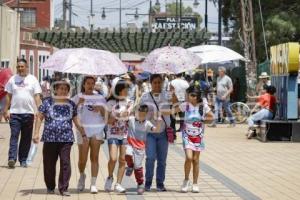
[135, 42]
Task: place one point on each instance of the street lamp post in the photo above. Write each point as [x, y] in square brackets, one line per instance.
[220, 23]
[103, 16]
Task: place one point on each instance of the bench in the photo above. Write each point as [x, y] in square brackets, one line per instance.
[278, 130]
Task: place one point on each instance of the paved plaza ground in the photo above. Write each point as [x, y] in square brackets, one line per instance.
[232, 167]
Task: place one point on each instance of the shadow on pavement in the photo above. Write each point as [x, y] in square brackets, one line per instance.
[43, 191]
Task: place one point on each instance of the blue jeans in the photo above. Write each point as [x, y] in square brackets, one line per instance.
[218, 106]
[156, 149]
[260, 115]
[117, 141]
[20, 123]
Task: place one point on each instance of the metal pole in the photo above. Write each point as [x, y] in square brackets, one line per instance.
[70, 13]
[180, 13]
[150, 13]
[65, 14]
[206, 20]
[205, 16]
[91, 18]
[176, 15]
[220, 23]
[120, 24]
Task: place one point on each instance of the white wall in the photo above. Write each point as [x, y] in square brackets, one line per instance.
[9, 36]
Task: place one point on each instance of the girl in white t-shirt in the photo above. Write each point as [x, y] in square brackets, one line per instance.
[119, 108]
[91, 112]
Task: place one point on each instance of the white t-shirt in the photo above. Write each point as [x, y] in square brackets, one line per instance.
[119, 129]
[162, 100]
[206, 108]
[92, 122]
[23, 90]
[180, 87]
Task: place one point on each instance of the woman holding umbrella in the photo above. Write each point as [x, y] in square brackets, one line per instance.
[166, 60]
[156, 144]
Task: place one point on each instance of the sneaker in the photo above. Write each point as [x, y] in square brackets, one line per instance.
[186, 186]
[81, 182]
[65, 193]
[94, 189]
[129, 171]
[231, 125]
[108, 183]
[24, 164]
[119, 188]
[212, 125]
[140, 189]
[250, 134]
[161, 188]
[148, 186]
[50, 191]
[195, 188]
[11, 163]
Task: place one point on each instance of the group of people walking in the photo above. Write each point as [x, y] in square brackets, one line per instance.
[136, 127]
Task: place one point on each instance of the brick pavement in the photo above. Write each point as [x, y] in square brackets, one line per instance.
[231, 168]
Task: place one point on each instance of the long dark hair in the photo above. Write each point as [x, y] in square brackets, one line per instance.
[120, 85]
[195, 89]
[84, 80]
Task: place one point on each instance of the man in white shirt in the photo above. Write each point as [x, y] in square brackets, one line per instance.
[179, 86]
[23, 97]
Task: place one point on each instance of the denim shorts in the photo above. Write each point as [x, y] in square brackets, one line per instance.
[116, 141]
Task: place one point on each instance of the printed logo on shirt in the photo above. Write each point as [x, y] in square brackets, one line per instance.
[20, 83]
[90, 108]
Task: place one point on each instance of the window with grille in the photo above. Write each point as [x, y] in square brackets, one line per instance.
[28, 17]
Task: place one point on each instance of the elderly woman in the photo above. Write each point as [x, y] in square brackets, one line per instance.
[59, 112]
[156, 144]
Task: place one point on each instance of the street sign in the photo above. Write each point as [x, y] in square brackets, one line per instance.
[173, 23]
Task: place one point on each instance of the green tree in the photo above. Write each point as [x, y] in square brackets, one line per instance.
[186, 11]
[281, 19]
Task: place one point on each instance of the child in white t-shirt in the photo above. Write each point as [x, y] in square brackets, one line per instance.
[119, 108]
[91, 112]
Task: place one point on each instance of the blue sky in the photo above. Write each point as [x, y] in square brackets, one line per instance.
[82, 9]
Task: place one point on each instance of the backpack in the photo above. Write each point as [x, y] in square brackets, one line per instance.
[204, 85]
[201, 112]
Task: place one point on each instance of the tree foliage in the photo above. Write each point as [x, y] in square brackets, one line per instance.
[281, 20]
[186, 11]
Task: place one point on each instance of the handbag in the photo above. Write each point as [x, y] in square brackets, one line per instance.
[169, 130]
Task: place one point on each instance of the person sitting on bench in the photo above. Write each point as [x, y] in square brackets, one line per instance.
[267, 104]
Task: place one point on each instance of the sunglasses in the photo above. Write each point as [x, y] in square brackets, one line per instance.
[143, 110]
[193, 94]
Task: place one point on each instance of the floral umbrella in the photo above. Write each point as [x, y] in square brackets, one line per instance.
[170, 60]
[85, 61]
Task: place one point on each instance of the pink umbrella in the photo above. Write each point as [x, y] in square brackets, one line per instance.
[5, 74]
[85, 61]
[170, 60]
